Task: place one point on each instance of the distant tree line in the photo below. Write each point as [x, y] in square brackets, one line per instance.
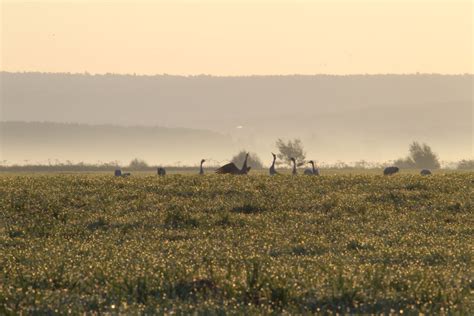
[420, 156]
[466, 164]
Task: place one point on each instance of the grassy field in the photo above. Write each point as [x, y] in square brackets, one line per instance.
[250, 244]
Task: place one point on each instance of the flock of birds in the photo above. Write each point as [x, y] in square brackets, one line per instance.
[231, 168]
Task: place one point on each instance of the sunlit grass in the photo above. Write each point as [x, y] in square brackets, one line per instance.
[343, 243]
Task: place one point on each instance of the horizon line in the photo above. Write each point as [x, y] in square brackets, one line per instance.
[87, 73]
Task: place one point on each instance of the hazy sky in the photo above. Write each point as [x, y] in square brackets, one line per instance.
[237, 37]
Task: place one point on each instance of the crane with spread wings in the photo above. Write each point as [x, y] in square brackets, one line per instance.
[231, 168]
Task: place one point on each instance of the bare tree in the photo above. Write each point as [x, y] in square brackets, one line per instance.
[137, 164]
[421, 156]
[292, 148]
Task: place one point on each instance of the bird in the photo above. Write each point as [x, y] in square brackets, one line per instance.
[390, 170]
[425, 172]
[231, 168]
[119, 173]
[201, 170]
[294, 172]
[313, 171]
[161, 171]
[272, 167]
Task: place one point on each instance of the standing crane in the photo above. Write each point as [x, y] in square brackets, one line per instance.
[161, 171]
[272, 167]
[294, 172]
[313, 171]
[201, 169]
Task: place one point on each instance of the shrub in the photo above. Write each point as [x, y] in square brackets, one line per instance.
[253, 160]
[137, 164]
[466, 164]
[420, 156]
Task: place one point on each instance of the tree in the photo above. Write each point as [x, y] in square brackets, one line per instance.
[291, 149]
[466, 164]
[253, 160]
[138, 164]
[421, 156]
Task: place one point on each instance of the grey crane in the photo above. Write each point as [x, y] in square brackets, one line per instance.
[119, 173]
[390, 171]
[294, 172]
[161, 171]
[231, 168]
[272, 167]
[201, 169]
[313, 171]
[425, 172]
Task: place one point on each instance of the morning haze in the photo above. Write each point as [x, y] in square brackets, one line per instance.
[364, 107]
[233, 37]
[345, 118]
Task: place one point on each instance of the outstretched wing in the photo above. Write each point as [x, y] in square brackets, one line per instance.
[230, 168]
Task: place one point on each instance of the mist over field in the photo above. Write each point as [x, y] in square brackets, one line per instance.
[179, 120]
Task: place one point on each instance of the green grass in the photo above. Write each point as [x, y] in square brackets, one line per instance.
[223, 244]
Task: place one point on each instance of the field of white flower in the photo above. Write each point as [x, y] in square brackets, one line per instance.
[237, 244]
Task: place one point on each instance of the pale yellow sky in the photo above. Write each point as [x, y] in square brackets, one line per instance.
[237, 37]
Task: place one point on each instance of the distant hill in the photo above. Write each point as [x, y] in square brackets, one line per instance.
[372, 117]
[40, 142]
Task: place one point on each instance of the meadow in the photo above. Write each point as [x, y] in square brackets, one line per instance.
[339, 243]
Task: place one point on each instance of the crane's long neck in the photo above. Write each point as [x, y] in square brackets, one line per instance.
[201, 170]
[244, 167]
[273, 163]
[312, 164]
[294, 166]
